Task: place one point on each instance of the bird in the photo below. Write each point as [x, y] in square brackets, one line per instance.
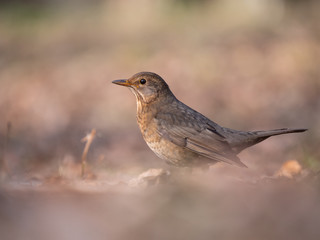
[182, 136]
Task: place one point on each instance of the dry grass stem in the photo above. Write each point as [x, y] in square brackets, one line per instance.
[5, 169]
[88, 139]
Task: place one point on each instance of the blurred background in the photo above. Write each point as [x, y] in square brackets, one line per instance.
[247, 65]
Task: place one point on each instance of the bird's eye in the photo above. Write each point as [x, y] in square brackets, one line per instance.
[143, 81]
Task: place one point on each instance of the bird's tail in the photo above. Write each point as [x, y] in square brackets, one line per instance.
[274, 132]
[255, 137]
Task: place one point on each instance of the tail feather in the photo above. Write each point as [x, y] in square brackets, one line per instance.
[255, 137]
[274, 132]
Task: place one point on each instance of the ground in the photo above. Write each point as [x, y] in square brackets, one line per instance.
[252, 65]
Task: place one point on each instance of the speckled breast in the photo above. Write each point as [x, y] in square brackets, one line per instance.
[165, 149]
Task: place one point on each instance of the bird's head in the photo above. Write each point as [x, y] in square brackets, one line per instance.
[146, 86]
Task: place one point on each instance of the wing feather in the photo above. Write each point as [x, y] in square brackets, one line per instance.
[194, 133]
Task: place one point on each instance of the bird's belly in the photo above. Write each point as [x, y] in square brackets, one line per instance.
[170, 152]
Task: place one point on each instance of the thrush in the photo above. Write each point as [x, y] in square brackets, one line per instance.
[182, 136]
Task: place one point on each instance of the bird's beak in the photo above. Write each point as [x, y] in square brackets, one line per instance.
[122, 82]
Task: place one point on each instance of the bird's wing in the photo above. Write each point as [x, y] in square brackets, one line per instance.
[196, 133]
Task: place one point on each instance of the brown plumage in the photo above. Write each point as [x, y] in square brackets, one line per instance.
[181, 135]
